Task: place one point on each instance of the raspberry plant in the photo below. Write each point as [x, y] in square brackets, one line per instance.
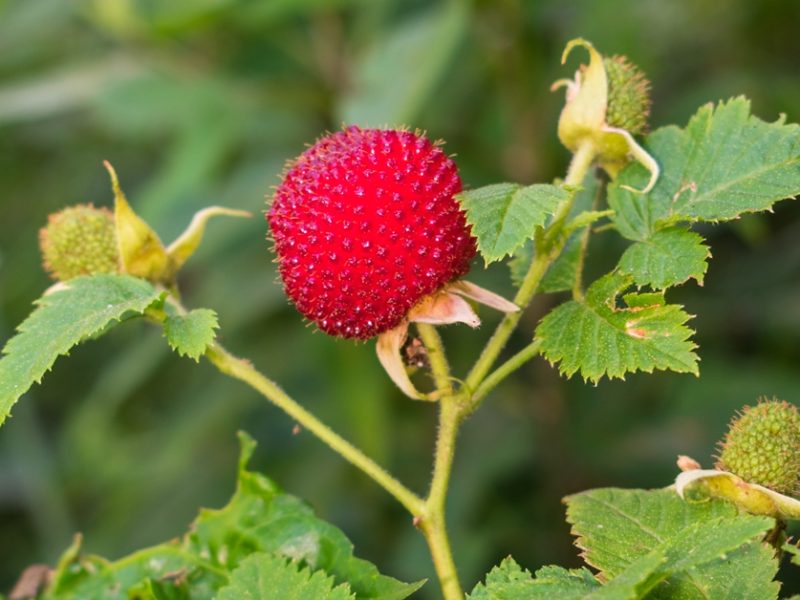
[373, 233]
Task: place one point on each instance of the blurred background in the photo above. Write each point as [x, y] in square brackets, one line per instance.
[200, 102]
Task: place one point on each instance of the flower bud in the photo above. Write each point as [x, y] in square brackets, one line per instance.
[607, 103]
[79, 240]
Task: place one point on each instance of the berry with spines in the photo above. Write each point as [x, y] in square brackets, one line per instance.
[79, 240]
[763, 446]
[628, 95]
[366, 225]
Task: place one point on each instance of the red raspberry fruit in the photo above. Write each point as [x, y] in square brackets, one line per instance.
[365, 225]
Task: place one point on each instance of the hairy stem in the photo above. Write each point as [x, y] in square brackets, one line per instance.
[577, 285]
[244, 371]
[436, 356]
[433, 523]
[503, 371]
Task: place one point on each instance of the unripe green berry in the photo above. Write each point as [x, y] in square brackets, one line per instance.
[79, 240]
[763, 446]
[628, 95]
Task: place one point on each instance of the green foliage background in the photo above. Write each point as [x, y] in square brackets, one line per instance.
[200, 102]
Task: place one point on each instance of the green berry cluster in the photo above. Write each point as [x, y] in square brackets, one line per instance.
[79, 240]
[628, 95]
[763, 446]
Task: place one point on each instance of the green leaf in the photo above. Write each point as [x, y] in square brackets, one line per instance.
[164, 571]
[794, 553]
[668, 257]
[508, 581]
[504, 215]
[190, 334]
[709, 549]
[71, 313]
[561, 275]
[723, 164]
[394, 79]
[635, 581]
[264, 576]
[597, 337]
[258, 519]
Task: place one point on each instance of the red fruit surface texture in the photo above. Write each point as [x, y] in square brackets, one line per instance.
[365, 224]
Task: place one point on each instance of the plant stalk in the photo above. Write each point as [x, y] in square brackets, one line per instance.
[548, 247]
[437, 358]
[503, 371]
[244, 371]
[433, 522]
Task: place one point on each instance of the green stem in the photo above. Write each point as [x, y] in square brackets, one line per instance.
[503, 371]
[497, 342]
[244, 371]
[577, 285]
[436, 356]
[433, 523]
[548, 247]
[578, 168]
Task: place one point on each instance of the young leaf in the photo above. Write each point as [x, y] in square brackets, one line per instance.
[190, 334]
[509, 580]
[668, 257]
[504, 215]
[597, 338]
[73, 312]
[264, 576]
[709, 548]
[258, 519]
[723, 164]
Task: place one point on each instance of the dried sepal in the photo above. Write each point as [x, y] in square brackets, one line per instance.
[440, 308]
[699, 484]
[388, 346]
